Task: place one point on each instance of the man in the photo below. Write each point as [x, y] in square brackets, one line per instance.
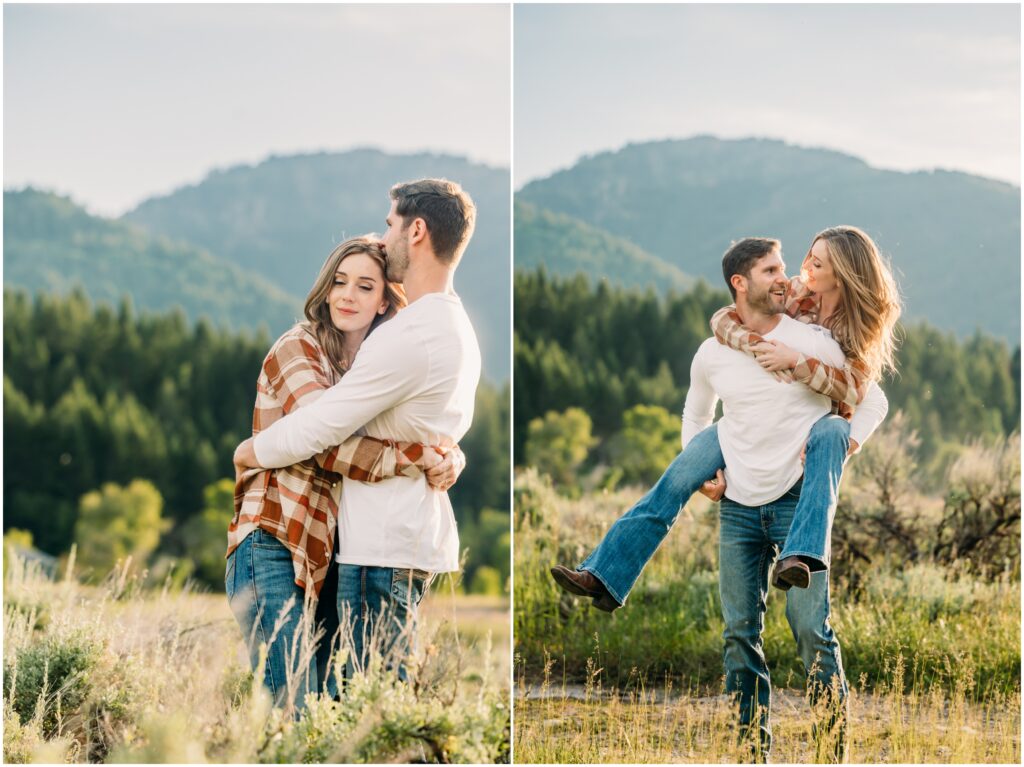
[414, 379]
[760, 440]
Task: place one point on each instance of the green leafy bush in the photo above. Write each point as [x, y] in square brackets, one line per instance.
[51, 677]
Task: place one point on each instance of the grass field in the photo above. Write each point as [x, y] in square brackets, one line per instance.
[119, 673]
[567, 726]
[931, 652]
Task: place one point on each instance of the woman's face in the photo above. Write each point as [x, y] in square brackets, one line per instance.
[358, 293]
[817, 272]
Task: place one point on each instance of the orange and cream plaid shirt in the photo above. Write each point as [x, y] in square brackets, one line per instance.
[299, 504]
[845, 386]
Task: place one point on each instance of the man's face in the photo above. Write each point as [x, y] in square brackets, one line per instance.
[396, 245]
[767, 284]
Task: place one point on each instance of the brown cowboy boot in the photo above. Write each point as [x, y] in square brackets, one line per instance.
[584, 584]
[791, 572]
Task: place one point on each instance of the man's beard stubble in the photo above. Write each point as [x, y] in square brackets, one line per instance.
[762, 302]
[397, 263]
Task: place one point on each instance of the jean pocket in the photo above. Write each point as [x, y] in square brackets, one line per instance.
[408, 585]
[265, 541]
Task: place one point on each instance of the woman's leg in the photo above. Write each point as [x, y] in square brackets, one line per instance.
[260, 584]
[810, 535]
[629, 543]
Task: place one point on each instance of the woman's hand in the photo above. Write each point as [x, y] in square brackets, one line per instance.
[714, 488]
[442, 475]
[774, 356]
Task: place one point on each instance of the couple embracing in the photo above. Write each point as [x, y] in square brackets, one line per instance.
[341, 511]
[796, 365]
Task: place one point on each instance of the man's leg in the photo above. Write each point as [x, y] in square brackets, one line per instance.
[629, 543]
[810, 536]
[745, 556]
[327, 620]
[384, 602]
[809, 614]
[351, 615]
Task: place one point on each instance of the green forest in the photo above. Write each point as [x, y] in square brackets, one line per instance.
[112, 416]
[615, 353]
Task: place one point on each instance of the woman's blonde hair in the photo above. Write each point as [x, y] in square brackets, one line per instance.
[319, 313]
[864, 324]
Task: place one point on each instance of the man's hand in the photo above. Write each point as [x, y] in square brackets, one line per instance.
[714, 488]
[774, 356]
[442, 475]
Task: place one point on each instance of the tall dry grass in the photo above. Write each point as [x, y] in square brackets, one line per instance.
[122, 673]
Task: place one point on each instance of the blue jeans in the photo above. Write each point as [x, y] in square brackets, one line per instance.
[259, 581]
[379, 605]
[749, 542]
[631, 541]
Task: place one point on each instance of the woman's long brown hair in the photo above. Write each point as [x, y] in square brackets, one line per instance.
[319, 313]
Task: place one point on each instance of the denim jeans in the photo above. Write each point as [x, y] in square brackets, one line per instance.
[631, 541]
[749, 542]
[259, 581]
[634, 537]
[810, 536]
[379, 604]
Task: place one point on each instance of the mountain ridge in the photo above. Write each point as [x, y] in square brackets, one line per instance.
[685, 200]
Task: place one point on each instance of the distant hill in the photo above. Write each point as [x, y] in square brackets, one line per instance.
[565, 246]
[51, 244]
[281, 218]
[953, 238]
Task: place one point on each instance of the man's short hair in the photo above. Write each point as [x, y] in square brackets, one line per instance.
[743, 254]
[445, 207]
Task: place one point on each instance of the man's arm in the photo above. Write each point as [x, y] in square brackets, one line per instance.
[699, 409]
[297, 378]
[388, 370]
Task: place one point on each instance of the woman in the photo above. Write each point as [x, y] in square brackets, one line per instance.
[282, 539]
[845, 287]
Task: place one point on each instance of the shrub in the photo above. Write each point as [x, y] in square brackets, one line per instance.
[116, 522]
[51, 678]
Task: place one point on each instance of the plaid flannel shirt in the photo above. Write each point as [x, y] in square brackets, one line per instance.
[299, 504]
[845, 386]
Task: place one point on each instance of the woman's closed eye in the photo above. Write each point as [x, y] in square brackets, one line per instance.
[365, 287]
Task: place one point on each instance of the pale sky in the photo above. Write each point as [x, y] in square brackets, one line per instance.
[903, 87]
[113, 104]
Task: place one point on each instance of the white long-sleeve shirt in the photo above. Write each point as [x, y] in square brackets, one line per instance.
[414, 379]
[765, 422]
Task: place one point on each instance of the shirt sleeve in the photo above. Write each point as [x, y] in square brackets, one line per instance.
[869, 415]
[801, 303]
[297, 377]
[846, 386]
[389, 368]
[699, 409]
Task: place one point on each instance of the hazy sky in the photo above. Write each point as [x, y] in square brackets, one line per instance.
[901, 86]
[112, 104]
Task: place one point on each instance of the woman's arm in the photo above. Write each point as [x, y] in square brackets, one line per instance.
[846, 386]
[297, 378]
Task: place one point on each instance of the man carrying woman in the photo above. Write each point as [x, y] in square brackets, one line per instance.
[769, 428]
